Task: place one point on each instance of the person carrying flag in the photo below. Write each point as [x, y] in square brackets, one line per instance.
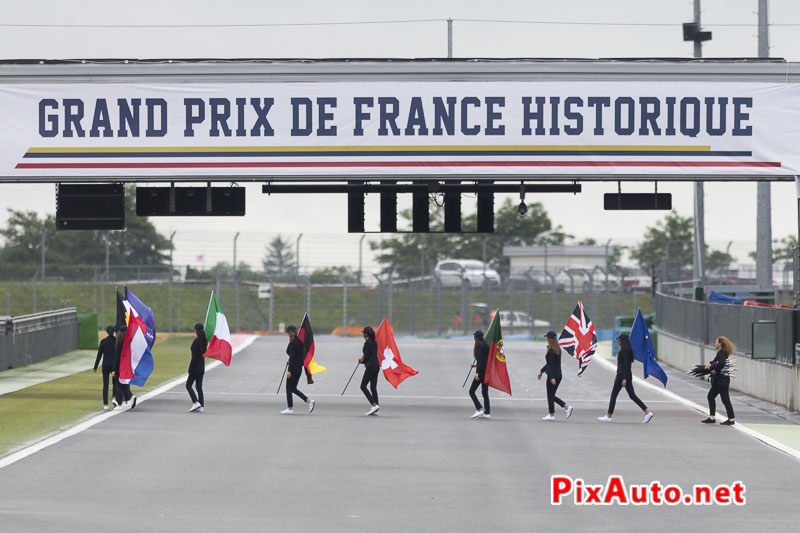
[106, 352]
[480, 352]
[552, 368]
[122, 391]
[624, 379]
[197, 368]
[720, 382]
[294, 369]
[369, 358]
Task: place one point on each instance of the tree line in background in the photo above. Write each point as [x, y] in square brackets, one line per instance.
[404, 255]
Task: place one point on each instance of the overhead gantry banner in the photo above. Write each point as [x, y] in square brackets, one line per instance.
[372, 130]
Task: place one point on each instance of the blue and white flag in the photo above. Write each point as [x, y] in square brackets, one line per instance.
[143, 312]
[136, 362]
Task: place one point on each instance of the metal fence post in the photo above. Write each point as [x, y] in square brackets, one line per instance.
[170, 299]
[344, 306]
[180, 300]
[529, 289]
[511, 313]
[411, 305]
[438, 306]
[94, 291]
[552, 298]
[308, 296]
[35, 277]
[271, 303]
[464, 304]
[389, 288]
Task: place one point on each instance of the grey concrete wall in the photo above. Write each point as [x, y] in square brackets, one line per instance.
[768, 380]
[38, 337]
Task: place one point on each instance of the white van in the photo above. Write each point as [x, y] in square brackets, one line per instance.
[450, 271]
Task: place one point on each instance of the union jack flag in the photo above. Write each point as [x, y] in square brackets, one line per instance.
[578, 337]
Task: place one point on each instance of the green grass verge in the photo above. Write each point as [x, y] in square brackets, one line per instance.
[33, 413]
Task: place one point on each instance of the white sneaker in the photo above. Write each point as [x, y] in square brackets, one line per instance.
[484, 415]
[548, 417]
[201, 410]
[647, 417]
[311, 404]
[373, 409]
[604, 418]
[195, 406]
[287, 411]
[568, 413]
[114, 401]
[105, 408]
[477, 414]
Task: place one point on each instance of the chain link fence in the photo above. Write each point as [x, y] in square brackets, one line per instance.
[421, 305]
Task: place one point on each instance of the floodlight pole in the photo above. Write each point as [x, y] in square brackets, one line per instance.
[764, 202]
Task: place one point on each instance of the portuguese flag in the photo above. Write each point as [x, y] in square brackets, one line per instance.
[496, 372]
[217, 333]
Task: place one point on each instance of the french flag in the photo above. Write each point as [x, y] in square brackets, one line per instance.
[136, 361]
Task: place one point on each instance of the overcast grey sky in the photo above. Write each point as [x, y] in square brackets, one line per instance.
[610, 28]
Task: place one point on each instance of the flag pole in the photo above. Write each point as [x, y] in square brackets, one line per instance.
[284, 375]
[467, 378]
[351, 377]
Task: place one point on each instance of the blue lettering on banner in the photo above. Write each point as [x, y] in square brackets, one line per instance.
[306, 129]
[48, 123]
[628, 102]
[195, 114]
[695, 128]
[492, 115]
[220, 113]
[723, 105]
[554, 129]
[262, 122]
[528, 115]
[360, 102]
[388, 117]
[72, 119]
[152, 104]
[240, 129]
[569, 114]
[128, 116]
[416, 118]
[670, 115]
[444, 118]
[649, 115]
[324, 117]
[740, 116]
[598, 103]
[101, 120]
[465, 102]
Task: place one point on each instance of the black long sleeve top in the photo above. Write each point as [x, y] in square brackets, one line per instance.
[106, 352]
[552, 366]
[624, 362]
[717, 365]
[481, 354]
[295, 352]
[370, 354]
[197, 365]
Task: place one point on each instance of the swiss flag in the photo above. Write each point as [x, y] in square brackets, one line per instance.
[394, 370]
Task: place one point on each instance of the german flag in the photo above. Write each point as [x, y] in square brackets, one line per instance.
[306, 336]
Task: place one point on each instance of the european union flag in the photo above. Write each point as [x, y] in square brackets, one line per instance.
[643, 349]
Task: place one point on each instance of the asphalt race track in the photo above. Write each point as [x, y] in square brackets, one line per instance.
[423, 465]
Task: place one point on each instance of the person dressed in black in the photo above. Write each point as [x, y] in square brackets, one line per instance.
[480, 353]
[552, 368]
[197, 369]
[624, 380]
[294, 369]
[122, 391]
[106, 352]
[720, 382]
[369, 358]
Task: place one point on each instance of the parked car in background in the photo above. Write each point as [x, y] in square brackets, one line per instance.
[580, 281]
[636, 279]
[476, 273]
[541, 281]
[520, 319]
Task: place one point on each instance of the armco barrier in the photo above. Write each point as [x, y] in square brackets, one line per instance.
[33, 338]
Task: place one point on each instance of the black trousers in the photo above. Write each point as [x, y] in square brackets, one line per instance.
[551, 396]
[122, 391]
[291, 388]
[370, 378]
[197, 380]
[722, 390]
[631, 394]
[485, 391]
[106, 374]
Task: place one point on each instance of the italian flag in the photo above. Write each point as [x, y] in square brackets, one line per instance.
[217, 333]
